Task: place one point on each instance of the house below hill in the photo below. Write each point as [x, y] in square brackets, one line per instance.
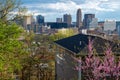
[69, 48]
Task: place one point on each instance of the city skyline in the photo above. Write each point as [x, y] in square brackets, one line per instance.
[79, 18]
[103, 9]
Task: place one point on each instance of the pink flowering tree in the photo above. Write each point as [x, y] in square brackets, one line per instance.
[96, 68]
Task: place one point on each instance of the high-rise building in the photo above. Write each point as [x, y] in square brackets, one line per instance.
[87, 20]
[40, 19]
[118, 30]
[118, 27]
[67, 19]
[109, 25]
[93, 23]
[79, 18]
[58, 20]
[27, 22]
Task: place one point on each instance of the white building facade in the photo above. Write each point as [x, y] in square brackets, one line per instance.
[109, 25]
[93, 23]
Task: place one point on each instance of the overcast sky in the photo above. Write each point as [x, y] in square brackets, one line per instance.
[103, 9]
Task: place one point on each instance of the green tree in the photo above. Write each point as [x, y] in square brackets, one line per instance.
[11, 10]
[40, 55]
[12, 50]
[62, 33]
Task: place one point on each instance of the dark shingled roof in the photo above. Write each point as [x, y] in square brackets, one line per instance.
[79, 42]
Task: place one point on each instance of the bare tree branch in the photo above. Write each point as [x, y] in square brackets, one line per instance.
[10, 10]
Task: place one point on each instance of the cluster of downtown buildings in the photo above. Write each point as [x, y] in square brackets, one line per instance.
[67, 49]
[88, 24]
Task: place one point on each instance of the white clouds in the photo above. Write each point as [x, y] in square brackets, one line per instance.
[61, 5]
[58, 6]
[70, 6]
[101, 5]
[112, 5]
[104, 0]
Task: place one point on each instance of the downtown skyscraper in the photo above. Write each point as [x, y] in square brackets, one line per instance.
[67, 19]
[40, 19]
[88, 19]
[79, 18]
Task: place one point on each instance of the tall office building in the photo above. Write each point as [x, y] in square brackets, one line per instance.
[27, 23]
[109, 25]
[118, 30]
[93, 23]
[67, 19]
[40, 19]
[58, 20]
[87, 20]
[79, 18]
[118, 27]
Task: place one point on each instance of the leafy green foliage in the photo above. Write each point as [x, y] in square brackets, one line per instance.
[63, 33]
[11, 49]
[41, 54]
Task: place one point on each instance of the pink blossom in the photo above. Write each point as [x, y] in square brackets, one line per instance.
[95, 67]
